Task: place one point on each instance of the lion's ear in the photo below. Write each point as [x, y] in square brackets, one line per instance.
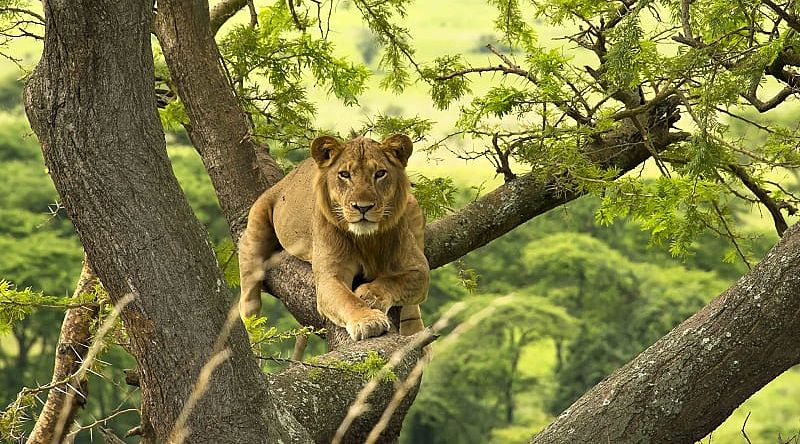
[400, 146]
[325, 148]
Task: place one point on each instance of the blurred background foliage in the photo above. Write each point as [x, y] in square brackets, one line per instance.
[584, 298]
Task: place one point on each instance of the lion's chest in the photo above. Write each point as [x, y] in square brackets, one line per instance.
[376, 256]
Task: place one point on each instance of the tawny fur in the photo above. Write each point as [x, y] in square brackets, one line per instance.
[348, 210]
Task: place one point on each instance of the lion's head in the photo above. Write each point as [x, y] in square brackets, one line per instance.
[362, 185]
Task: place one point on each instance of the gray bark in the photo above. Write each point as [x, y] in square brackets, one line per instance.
[319, 406]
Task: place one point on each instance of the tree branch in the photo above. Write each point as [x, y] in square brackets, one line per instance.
[686, 384]
[790, 19]
[527, 196]
[73, 343]
[239, 168]
[762, 195]
[222, 12]
[321, 407]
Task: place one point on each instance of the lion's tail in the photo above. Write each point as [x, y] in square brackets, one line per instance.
[256, 246]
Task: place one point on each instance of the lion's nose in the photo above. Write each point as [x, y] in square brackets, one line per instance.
[362, 207]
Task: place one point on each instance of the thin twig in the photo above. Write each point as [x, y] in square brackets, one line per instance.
[253, 14]
[38, 17]
[747, 438]
[731, 235]
[101, 421]
[295, 18]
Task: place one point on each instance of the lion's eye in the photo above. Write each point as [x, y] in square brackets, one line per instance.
[344, 174]
[380, 173]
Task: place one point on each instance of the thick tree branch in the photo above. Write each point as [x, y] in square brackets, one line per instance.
[73, 343]
[762, 106]
[218, 128]
[321, 407]
[527, 196]
[222, 12]
[686, 384]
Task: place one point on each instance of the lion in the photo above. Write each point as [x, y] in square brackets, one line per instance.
[360, 224]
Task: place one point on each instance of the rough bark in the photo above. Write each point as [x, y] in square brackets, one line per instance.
[91, 103]
[683, 386]
[319, 406]
[62, 402]
[218, 127]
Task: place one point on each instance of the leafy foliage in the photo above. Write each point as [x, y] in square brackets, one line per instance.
[228, 262]
[393, 38]
[262, 334]
[435, 196]
[370, 367]
[274, 52]
[16, 304]
[546, 107]
[384, 126]
[443, 91]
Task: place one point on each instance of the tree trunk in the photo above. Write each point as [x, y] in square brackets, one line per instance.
[219, 128]
[684, 386]
[91, 103]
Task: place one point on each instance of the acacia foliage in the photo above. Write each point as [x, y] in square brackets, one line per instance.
[722, 64]
[614, 63]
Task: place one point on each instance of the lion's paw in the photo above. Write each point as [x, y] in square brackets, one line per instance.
[374, 299]
[374, 323]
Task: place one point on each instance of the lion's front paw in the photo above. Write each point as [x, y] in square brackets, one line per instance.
[373, 298]
[374, 323]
